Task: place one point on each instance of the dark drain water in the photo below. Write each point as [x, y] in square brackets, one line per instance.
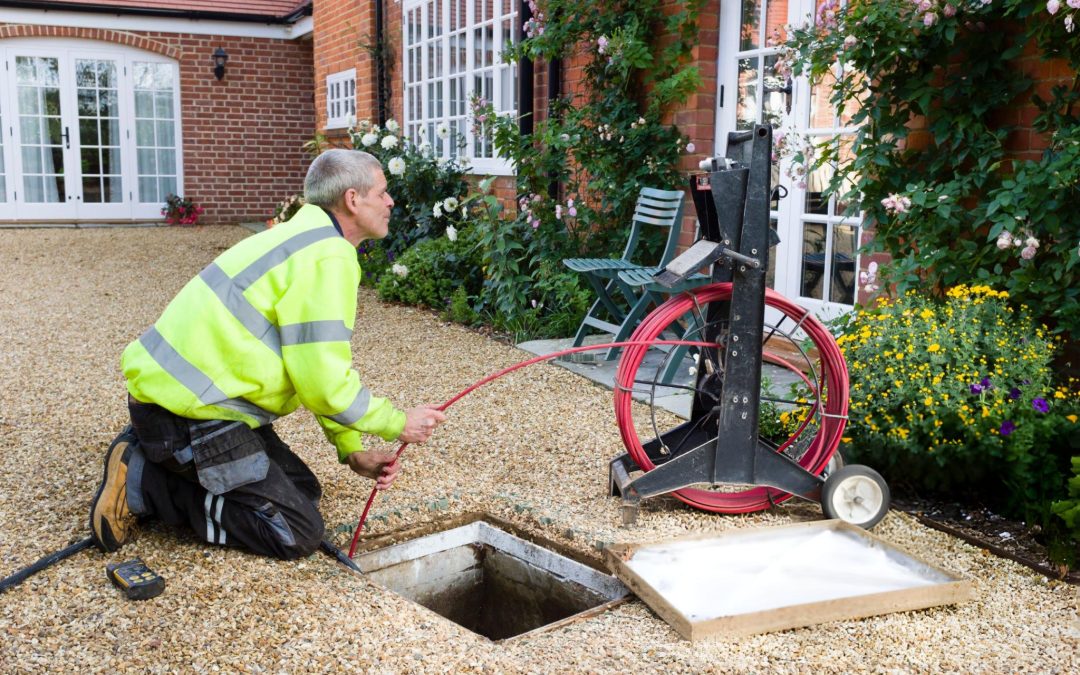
[490, 581]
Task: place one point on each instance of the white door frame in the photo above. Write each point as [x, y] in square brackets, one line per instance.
[74, 207]
[789, 259]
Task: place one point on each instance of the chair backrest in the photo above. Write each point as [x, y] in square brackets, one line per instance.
[662, 208]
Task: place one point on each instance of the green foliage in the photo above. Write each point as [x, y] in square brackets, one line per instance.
[428, 191]
[460, 310]
[524, 292]
[930, 90]
[600, 146]
[374, 261]
[1068, 510]
[958, 398]
[431, 271]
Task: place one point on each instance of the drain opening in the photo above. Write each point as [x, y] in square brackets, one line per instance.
[490, 581]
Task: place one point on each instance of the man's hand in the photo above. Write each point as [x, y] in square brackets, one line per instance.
[381, 466]
[420, 423]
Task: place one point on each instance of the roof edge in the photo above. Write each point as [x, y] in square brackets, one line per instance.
[292, 17]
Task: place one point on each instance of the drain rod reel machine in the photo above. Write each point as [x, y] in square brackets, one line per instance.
[748, 327]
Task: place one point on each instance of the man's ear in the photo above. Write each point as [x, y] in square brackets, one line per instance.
[348, 201]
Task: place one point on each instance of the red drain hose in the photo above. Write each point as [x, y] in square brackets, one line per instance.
[819, 453]
[834, 412]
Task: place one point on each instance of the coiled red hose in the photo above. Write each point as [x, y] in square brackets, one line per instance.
[814, 460]
[834, 411]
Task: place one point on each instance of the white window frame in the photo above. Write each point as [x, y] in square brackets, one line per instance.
[438, 88]
[69, 49]
[341, 99]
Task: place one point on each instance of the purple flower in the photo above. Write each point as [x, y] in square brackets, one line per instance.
[976, 388]
[1007, 427]
[1014, 393]
[986, 383]
[1040, 404]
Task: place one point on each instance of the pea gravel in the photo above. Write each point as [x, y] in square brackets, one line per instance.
[532, 448]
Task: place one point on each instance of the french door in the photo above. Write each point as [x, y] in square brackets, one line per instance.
[816, 262]
[88, 132]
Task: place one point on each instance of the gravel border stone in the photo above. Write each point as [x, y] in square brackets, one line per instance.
[531, 449]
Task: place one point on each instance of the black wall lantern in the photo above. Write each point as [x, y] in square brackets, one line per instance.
[220, 57]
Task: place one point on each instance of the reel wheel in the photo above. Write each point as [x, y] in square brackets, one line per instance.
[856, 494]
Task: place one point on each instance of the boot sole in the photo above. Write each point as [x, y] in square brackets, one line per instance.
[107, 541]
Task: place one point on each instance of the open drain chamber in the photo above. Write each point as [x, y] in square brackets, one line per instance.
[492, 582]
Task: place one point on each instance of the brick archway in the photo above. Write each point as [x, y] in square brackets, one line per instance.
[103, 35]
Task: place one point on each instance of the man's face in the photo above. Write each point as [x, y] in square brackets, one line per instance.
[372, 211]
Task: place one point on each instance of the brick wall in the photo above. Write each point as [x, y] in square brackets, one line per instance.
[342, 29]
[242, 136]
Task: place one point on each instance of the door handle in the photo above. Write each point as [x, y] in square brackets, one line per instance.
[772, 84]
[67, 139]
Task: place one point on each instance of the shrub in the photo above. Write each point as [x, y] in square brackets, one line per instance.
[428, 191]
[431, 271]
[957, 396]
[181, 210]
[374, 261]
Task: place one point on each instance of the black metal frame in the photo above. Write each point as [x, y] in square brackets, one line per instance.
[732, 201]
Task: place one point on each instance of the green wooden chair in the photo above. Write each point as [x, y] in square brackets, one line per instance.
[620, 306]
[652, 293]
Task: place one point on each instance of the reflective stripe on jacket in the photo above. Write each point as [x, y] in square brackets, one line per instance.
[263, 329]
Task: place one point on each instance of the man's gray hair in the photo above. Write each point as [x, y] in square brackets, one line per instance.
[336, 171]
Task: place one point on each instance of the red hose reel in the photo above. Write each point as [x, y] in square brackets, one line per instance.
[830, 408]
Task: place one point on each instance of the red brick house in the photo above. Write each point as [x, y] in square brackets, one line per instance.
[107, 106]
[440, 52]
[297, 67]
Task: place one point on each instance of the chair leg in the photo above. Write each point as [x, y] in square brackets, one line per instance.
[583, 329]
[633, 318]
[603, 294]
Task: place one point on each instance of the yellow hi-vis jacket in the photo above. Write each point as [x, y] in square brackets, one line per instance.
[263, 329]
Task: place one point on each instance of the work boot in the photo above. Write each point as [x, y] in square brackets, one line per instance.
[111, 521]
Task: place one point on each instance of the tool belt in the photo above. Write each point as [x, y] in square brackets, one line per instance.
[220, 455]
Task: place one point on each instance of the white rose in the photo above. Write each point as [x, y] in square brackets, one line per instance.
[450, 204]
[451, 233]
[396, 166]
[442, 130]
[389, 142]
[400, 270]
[369, 139]
[393, 126]
[437, 209]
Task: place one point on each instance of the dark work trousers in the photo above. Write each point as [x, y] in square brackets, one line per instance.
[277, 515]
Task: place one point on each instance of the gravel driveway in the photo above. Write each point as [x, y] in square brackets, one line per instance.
[531, 448]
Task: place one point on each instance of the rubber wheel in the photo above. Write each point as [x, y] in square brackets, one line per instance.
[856, 494]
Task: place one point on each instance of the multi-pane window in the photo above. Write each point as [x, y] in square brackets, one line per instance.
[341, 99]
[41, 129]
[453, 52]
[155, 130]
[99, 130]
